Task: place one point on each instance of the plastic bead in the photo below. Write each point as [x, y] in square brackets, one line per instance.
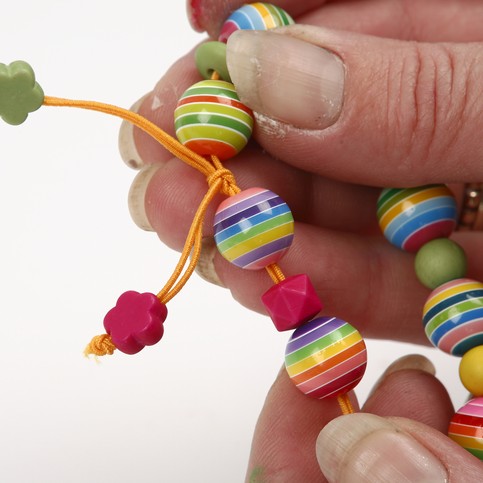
[20, 94]
[453, 316]
[326, 357]
[439, 261]
[471, 370]
[254, 228]
[255, 16]
[292, 302]
[466, 427]
[136, 321]
[210, 119]
[411, 217]
[210, 57]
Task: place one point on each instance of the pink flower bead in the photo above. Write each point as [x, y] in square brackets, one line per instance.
[292, 302]
[136, 321]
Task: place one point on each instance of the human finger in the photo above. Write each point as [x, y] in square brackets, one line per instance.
[209, 15]
[138, 148]
[366, 447]
[404, 430]
[408, 388]
[172, 193]
[360, 279]
[363, 109]
[283, 443]
[336, 262]
[432, 20]
[286, 432]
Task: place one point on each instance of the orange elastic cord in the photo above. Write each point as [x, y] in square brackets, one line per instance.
[345, 404]
[100, 345]
[170, 143]
[219, 179]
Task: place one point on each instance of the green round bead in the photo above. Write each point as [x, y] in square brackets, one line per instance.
[440, 261]
[211, 57]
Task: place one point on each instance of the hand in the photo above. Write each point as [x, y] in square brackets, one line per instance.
[339, 115]
[404, 442]
[409, 113]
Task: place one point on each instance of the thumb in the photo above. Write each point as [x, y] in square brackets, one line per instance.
[363, 109]
[365, 447]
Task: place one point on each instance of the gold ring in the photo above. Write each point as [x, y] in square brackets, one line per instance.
[472, 213]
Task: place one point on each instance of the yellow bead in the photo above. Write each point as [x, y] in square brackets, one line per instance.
[471, 370]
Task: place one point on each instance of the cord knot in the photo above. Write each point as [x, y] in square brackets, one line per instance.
[229, 186]
[100, 345]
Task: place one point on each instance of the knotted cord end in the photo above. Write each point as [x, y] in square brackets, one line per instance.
[100, 345]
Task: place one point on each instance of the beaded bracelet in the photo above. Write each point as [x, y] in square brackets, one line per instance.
[325, 356]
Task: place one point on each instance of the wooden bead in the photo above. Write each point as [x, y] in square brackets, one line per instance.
[210, 57]
[471, 370]
[439, 261]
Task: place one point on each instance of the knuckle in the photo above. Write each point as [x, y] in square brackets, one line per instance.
[427, 105]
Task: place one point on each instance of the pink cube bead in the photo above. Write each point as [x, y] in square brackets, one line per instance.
[292, 302]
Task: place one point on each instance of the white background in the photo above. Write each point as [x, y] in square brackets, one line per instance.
[179, 412]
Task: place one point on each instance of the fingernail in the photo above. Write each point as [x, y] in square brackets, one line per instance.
[127, 147]
[193, 8]
[205, 267]
[409, 362]
[365, 447]
[137, 195]
[286, 78]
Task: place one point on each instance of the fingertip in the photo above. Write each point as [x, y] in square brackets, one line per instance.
[366, 447]
[413, 392]
[137, 196]
[309, 79]
[126, 142]
[158, 107]
[286, 432]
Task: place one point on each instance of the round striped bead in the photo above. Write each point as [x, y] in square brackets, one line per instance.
[254, 228]
[411, 217]
[466, 427]
[326, 357]
[210, 119]
[453, 316]
[255, 16]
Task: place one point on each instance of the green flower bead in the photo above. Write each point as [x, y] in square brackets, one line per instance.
[440, 261]
[211, 57]
[19, 93]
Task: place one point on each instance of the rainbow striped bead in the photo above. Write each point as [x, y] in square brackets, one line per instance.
[326, 357]
[453, 316]
[210, 119]
[411, 217]
[466, 427]
[254, 228]
[255, 16]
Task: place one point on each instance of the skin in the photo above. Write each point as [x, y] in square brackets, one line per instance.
[344, 240]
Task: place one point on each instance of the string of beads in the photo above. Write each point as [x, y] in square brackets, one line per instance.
[420, 220]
